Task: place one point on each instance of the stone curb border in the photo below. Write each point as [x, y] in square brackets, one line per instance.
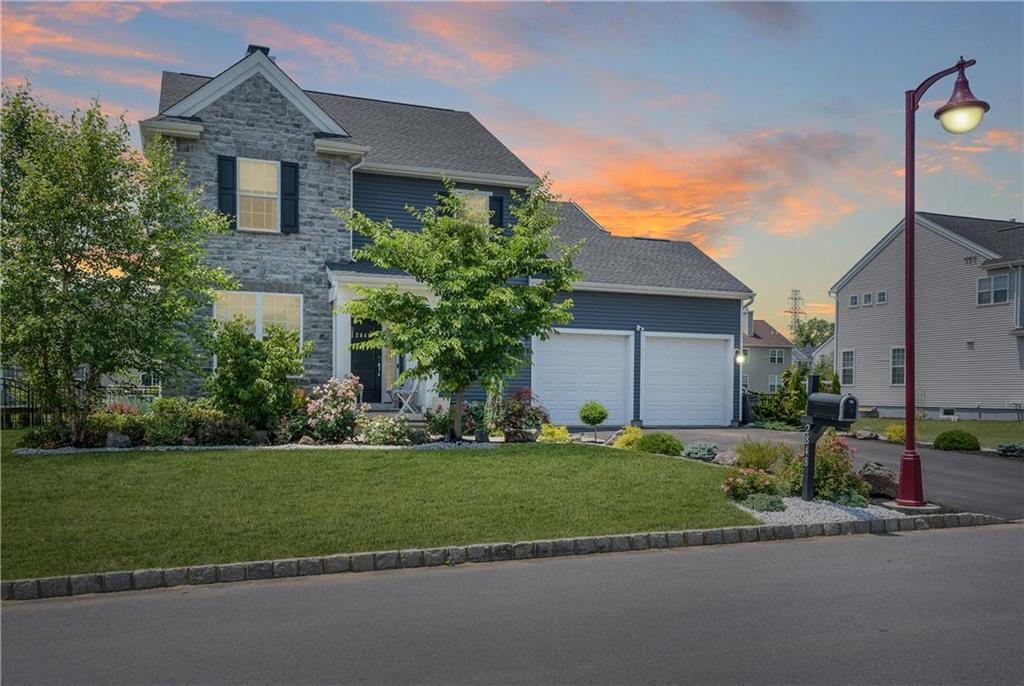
[142, 579]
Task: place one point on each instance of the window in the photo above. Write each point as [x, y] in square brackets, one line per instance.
[258, 195]
[478, 204]
[745, 381]
[947, 411]
[867, 300]
[774, 383]
[854, 301]
[881, 298]
[994, 289]
[776, 356]
[897, 366]
[261, 309]
[846, 368]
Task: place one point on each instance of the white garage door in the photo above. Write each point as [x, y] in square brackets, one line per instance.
[571, 368]
[686, 381]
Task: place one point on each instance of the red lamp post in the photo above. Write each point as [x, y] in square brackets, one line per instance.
[961, 114]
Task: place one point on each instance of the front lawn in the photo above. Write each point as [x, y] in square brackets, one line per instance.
[66, 514]
[990, 433]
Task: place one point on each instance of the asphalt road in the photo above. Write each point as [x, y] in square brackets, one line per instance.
[926, 607]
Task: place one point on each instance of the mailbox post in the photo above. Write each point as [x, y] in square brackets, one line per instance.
[823, 410]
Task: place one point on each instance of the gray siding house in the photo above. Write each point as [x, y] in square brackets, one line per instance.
[768, 353]
[656, 323]
[969, 320]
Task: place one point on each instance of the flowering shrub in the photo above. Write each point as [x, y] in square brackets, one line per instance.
[333, 410]
[118, 407]
[741, 483]
[439, 417]
[386, 430]
[834, 478]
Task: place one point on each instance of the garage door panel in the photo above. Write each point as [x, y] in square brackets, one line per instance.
[572, 368]
[685, 381]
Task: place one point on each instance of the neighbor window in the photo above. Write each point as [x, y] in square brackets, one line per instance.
[262, 310]
[746, 381]
[994, 289]
[477, 204]
[947, 411]
[882, 297]
[897, 366]
[774, 383]
[868, 300]
[854, 301]
[846, 368]
[258, 195]
[776, 356]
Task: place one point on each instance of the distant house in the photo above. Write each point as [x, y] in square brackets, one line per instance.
[825, 350]
[969, 319]
[768, 353]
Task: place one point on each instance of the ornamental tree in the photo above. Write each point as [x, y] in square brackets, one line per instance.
[102, 266]
[812, 332]
[492, 289]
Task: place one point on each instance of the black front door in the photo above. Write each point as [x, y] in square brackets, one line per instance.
[366, 364]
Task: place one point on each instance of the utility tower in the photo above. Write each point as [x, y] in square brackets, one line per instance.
[796, 309]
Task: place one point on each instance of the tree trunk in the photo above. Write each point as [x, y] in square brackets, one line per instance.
[457, 424]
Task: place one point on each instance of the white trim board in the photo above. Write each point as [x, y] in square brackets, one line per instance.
[174, 129]
[659, 290]
[254, 63]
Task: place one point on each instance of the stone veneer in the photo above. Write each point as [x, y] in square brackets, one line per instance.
[255, 120]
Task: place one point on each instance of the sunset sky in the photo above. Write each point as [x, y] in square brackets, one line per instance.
[771, 134]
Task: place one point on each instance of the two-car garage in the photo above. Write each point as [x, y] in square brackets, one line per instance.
[684, 379]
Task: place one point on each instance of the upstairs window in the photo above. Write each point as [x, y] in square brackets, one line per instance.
[259, 187]
[882, 297]
[994, 289]
[846, 368]
[774, 383]
[776, 356]
[476, 204]
[897, 366]
[868, 302]
[854, 301]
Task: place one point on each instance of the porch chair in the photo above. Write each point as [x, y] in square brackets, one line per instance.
[405, 397]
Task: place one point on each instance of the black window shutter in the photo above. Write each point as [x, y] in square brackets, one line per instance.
[289, 197]
[496, 207]
[227, 187]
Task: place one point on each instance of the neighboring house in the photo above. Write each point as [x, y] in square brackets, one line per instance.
[826, 350]
[969, 314]
[655, 322]
[768, 353]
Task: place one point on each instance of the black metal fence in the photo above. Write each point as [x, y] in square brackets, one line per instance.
[20, 407]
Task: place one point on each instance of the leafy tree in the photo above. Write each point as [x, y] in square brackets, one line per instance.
[102, 265]
[484, 306]
[825, 371]
[813, 332]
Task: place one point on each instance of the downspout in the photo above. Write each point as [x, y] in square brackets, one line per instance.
[744, 306]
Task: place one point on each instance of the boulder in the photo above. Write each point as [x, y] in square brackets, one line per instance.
[726, 457]
[260, 438]
[307, 440]
[865, 435]
[118, 440]
[880, 479]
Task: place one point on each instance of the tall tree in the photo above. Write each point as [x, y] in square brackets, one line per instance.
[813, 332]
[491, 289]
[102, 266]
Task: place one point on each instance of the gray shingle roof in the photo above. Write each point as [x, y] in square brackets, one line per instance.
[1006, 238]
[397, 133]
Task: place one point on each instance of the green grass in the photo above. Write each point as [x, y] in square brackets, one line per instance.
[102, 511]
[990, 433]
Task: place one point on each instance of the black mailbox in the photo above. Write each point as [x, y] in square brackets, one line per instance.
[832, 408]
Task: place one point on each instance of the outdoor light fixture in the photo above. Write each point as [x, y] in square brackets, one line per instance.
[963, 112]
[740, 357]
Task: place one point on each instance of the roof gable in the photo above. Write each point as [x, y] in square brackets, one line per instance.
[256, 62]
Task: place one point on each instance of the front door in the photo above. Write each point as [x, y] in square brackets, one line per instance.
[366, 364]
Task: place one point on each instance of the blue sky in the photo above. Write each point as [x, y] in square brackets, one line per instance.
[770, 134]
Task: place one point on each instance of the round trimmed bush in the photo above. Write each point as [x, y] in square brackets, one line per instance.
[659, 443]
[956, 439]
[593, 413]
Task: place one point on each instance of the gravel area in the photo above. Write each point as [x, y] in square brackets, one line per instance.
[820, 511]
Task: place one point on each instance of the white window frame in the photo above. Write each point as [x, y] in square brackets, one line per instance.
[893, 367]
[772, 356]
[745, 381]
[852, 367]
[238, 194]
[867, 300]
[992, 290]
[774, 383]
[854, 301]
[259, 310]
[881, 298]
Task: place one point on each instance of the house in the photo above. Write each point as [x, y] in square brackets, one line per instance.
[768, 353]
[969, 320]
[825, 351]
[656, 322]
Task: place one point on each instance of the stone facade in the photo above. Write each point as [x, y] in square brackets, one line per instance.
[255, 120]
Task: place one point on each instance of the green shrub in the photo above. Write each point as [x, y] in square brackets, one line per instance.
[740, 483]
[1012, 449]
[99, 424]
[554, 434]
[333, 412]
[593, 413]
[168, 421]
[700, 450]
[659, 443]
[520, 415]
[253, 379]
[786, 405]
[956, 439]
[47, 436]
[628, 438]
[763, 455]
[765, 502]
[386, 430]
[895, 433]
[440, 417]
[852, 499]
[209, 426]
[834, 478]
[418, 436]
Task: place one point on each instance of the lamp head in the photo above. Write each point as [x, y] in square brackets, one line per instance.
[740, 357]
[963, 112]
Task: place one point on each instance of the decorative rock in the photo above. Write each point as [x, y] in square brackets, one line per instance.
[118, 440]
[178, 576]
[730, 535]
[881, 480]
[386, 560]
[455, 556]
[335, 564]
[262, 569]
[766, 533]
[476, 553]
[522, 550]
[362, 562]
[726, 457]
[815, 529]
[564, 546]
[308, 566]
[26, 590]
[147, 578]
[259, 438]
[620, 544]
[543, 548]
[231, 572]
[54, 586]
[713, 537]
[658, 540]
[676, 539]
[202, 574]
[602, 544]
[694, 537]
[307, 440]
[433, 557]
[584, 546]
[866, 435]
[117, 581]
[639, 542]
[501, 552]
[285, 568]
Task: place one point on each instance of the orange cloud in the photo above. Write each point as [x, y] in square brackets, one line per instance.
[409, 56]
[66, 102]
[25, 34]
[268, 31]
[1002, 138]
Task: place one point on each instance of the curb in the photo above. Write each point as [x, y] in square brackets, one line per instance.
[143, 579]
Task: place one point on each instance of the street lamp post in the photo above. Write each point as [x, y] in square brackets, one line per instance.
[961, 114]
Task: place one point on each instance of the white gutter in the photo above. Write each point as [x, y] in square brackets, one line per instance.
[174, 129]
